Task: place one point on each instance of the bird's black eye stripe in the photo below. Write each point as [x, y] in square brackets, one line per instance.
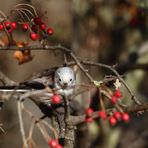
[70, 80]
[59, 79]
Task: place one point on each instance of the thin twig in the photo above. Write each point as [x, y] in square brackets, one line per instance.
[118, 75]
[24, 4]
[22, 130]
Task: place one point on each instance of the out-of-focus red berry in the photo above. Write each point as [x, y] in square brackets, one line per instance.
[102, 114]
[112, 120]
[89, 112]
[50, 31]
[88, 119]
[114, 99]
[59, 146]
[125, 117]
[118, 93]
[53, 143]
[10, 30]
[34, 36]
[42, 26]
[37, 20]
[7, 24]
[13, 25]
[1, 27]
[56, 99]
[34, 28]
[25, 26]
[117, 115]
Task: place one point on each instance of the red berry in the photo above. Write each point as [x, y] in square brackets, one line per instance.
[56, 99]
[1, 27]
[117, 115]
[88, 119]
[25, 26]
[112, 121]
[13, 25]
[114, 99]
[89, 112]
[10, 30]
[42, 26]
[118, 93]
[34, 36]
[37, 20]
[7, 24]
[53, 143]
[102, 114]
[34, 28]
[50, 31]
[59, 146]
[125, 117]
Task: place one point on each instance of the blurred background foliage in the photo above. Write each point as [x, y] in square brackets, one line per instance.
[107, 31]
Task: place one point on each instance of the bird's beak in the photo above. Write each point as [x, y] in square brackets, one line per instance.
[64, 85]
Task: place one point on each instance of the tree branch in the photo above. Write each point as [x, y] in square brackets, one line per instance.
[133, 109]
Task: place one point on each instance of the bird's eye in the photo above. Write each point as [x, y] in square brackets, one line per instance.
[60, 80]
[70, 80]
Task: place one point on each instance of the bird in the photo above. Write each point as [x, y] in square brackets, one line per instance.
[61, 79]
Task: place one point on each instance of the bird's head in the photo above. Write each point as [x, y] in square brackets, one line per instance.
[64, 78]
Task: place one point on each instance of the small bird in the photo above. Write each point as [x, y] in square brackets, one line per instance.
[61, 79]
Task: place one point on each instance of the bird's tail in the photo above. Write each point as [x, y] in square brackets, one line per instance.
[14, 88]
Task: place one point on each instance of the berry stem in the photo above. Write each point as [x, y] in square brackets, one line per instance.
[119, 108]
[101, 102]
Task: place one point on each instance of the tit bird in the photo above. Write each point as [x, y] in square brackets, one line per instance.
[61, 79]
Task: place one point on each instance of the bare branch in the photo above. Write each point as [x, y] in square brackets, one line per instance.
[133, 109]
[22, 130]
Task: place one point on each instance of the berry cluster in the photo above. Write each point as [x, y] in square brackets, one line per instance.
[8, 26]
[29, 20]
[37, 30]
[54, 144]
[112, 117]
[36, 27]
[117, 116]
[89, 114]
